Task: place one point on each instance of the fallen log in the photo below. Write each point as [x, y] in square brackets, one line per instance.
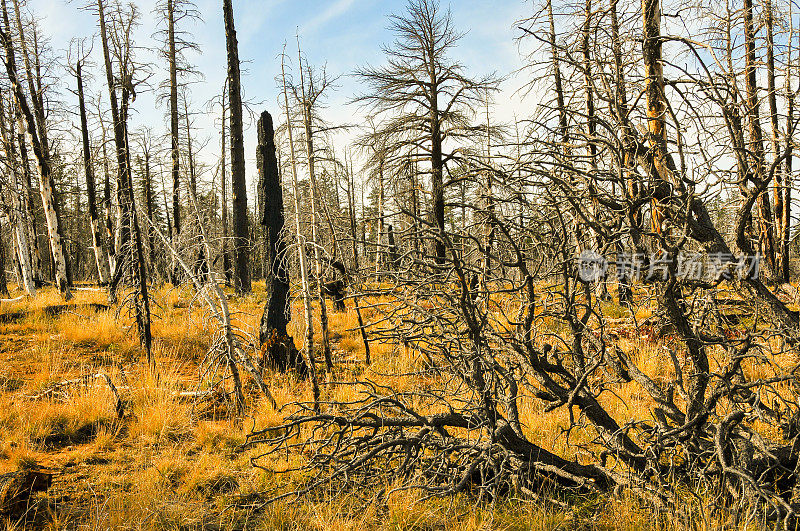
[88, 381]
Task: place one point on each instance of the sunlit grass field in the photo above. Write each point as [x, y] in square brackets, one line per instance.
[177, 463]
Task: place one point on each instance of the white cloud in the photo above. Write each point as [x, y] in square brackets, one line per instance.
[336, 9]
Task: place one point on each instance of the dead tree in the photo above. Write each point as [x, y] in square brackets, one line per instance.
[307, 102]
[173, 119]
[238, 182]
[437, 98]
[100, 255]
[223, 168]
[721, 412]
[41, 153]
[351, 211]
[766, 236]
[3, 280]
[308, 346]
[123, 81]
[18, 208]
[277, 347]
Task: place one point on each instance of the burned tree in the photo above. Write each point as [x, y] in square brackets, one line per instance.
[277, 346]
[121, 88]
[100, 255]
[425, 97]
[238, 182]
[719, 410]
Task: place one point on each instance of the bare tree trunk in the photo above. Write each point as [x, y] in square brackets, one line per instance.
[94, 218]
[108, 203]
[3, 280]
[437, 181]
[36, 90]
[766, 234]
[43, 162]
[629, 177]
[309, 144]
[238, 182]
[149, 203]
[488, 225]
[776, 144]
[166, 204]
[28, 203]
[379, 249]
[201, 264]
[351, 200]
[301, 251]
[173, 122]
[591, 132]
[128, 222]
[17, 212]
[786, 220]
[120, 236]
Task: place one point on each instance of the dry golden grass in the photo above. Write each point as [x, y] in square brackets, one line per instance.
[166, 466]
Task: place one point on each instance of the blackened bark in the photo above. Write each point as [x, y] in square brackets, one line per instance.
[149, 201]
[238, 184]
[394, 256]
[277, 346]
[173, 121]
[226, 255]
[437, 182]
[91, 192]
[128, 221]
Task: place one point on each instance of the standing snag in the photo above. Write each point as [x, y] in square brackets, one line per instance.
[277, 347]
[241, 251]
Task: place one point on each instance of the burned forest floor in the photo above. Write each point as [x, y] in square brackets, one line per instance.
[174, 458]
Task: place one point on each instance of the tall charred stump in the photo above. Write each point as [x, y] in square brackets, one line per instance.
[277, 347]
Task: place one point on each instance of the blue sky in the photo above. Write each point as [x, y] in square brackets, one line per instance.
[342, 34]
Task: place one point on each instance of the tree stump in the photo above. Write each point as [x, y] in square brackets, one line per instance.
[277, 347]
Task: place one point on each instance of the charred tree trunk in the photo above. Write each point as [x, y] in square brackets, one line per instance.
[381, 230]
[786, 222]
[3, 281]
[128, 222]
[94, 218]
[149, 204]
[238, 182]
[277, 347]
[226, 255]
[772, 98]
[201, 264]
[174, 125]
[437, 181]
